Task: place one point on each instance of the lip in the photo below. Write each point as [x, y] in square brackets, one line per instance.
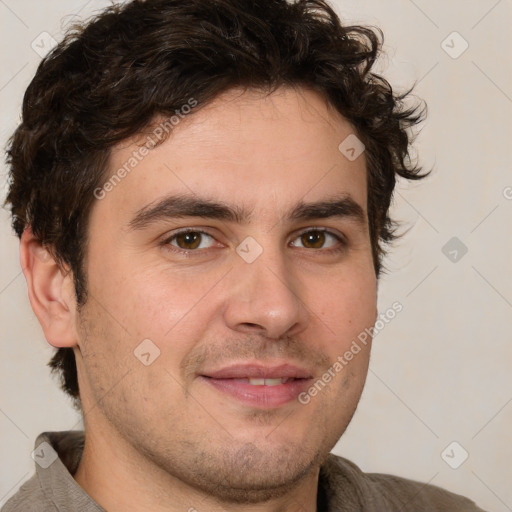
[227, 381]
[244, 371]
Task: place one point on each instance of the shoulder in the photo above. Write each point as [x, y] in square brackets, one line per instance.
[382, 492]
[29, 498]
[421, 495]
[52, 487]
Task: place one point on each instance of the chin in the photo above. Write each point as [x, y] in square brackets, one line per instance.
[250, 475]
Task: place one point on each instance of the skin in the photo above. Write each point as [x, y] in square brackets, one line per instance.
[158, 437]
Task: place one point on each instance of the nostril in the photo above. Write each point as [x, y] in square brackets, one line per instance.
[252, 327]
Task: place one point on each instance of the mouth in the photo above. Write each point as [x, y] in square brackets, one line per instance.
[257, 386]
[256, 381]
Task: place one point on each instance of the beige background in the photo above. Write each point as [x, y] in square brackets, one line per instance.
[441, 370]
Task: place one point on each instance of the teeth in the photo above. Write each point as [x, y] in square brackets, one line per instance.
[267, 382]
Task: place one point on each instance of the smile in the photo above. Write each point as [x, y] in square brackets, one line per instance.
[259, 386]
[265, 382]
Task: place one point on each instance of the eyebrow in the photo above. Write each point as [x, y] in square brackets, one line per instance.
[183, 205]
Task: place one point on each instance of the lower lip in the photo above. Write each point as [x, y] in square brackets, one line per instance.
[264, 397]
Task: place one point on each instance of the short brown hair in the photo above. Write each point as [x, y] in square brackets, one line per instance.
[110, 77]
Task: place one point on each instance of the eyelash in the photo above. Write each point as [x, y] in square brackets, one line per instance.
[196, 252]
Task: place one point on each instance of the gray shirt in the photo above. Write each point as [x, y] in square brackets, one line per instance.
[342, 486]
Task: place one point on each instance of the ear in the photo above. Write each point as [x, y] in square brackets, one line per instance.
[50, 290]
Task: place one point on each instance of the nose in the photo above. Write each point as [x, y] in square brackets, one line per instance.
[265, 298]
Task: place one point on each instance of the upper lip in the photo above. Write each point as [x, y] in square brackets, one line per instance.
[248, 371]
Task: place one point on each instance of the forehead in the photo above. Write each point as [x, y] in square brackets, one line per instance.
[262, 151]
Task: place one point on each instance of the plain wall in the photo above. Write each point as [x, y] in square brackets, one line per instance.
[441, 369]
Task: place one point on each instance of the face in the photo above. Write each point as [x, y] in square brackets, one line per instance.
[227, 273]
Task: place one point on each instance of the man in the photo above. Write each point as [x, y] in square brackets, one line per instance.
[201, 190]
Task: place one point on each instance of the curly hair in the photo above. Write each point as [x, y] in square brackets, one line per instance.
[113, 75]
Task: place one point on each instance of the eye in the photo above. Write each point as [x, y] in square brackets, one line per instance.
[190, 240]
[320, 239]
[193, 240]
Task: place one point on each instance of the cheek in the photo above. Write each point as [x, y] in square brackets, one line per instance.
[146, 301]
[174, 310]
[129, 364]
[349, 307]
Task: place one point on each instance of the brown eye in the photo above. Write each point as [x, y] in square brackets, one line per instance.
[313, 239]
[190, 240]
[320, 239]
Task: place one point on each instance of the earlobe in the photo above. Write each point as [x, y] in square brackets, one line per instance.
[50, 291]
